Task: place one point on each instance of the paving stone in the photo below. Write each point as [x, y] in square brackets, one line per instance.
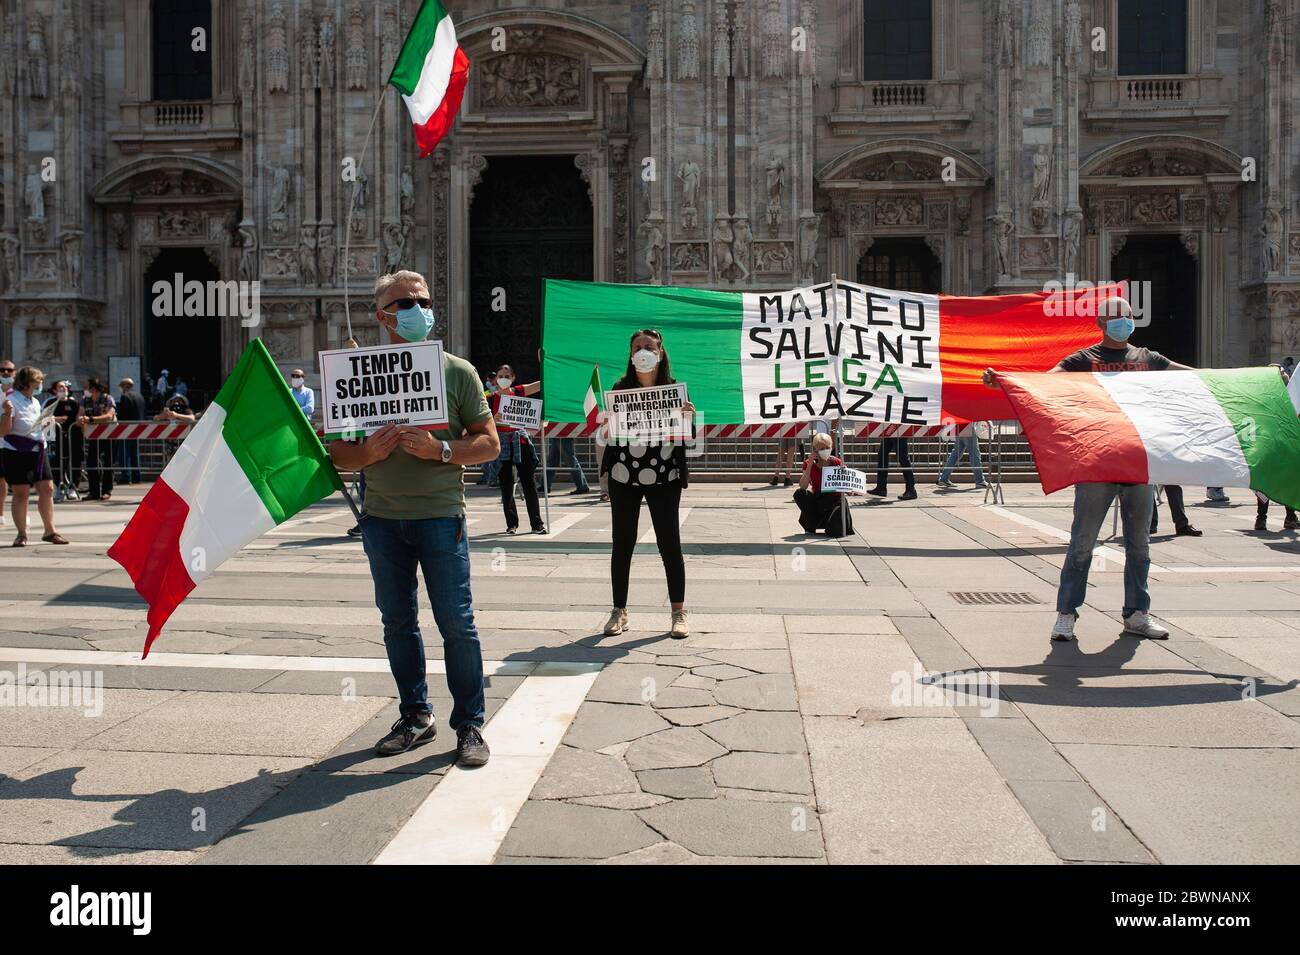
[774, 772]
[637, 800]
[16, 758]
[761, 795]
[1019, 751]
[577, 772]
[693, 682]
[599, 725]
[1078, 826]
[767, 691]
[672, 748]
[632, 683]
[662, 853]
[12, 854]
[65, 726]
[759, 732]
[722, 671]
[332, 683]
[759, 661]
[737, 827]
[43, 641]
[564, 830]
[153, 677]
[677, 697]
[692, 782]
[697, 715]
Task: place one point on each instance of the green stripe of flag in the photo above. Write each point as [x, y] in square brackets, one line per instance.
[1256, 402]
[700, 327]
[410, 62]
[271, 438]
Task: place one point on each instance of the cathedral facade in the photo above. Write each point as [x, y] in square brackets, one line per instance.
[936, 145]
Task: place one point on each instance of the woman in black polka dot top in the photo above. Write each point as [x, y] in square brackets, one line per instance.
[655, 471]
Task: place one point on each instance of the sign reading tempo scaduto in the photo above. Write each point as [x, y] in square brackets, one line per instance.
[364, 389]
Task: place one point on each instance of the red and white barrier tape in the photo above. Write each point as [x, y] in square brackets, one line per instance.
[127, 431]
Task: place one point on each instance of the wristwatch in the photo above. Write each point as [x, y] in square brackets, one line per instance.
[446, 452]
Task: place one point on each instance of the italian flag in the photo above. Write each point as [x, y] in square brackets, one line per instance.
[591, 401]
[1231, 428]
[252, 462]
[431, 72]
[790, 355]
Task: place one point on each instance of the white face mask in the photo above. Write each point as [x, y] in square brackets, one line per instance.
[296, 381]
[61, 394]
[645, 360]
[503, 382]
[823, 453]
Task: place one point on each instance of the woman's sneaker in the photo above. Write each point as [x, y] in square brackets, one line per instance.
[681, 629]
[408, 731]
[1063, 632]
[617, 621]
[1140, 624]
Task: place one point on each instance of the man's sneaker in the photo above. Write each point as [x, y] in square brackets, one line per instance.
[471, 748]
[908, 495]
[981, 485]
[1063, 631]
[1187, 530]
[408, 731]
[617, 621]
[681, 629]
[354, 531]
[944, 482]
[1215, 495]
[1140, 624]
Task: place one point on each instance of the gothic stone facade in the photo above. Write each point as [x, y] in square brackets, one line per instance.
[1024, 155]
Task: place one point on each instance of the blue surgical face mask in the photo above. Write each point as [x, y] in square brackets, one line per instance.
[414, 323]
[1119, 329]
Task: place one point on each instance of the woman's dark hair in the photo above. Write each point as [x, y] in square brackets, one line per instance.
[504, 365]
[663, 373]
[94, 384]
[25, 375]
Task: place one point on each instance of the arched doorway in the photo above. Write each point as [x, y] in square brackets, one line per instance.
[1167, 295]
[187, 346]
[531, 220]
[905, 264]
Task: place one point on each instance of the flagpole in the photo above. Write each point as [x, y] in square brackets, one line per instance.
[839, 421]
[546, 488]
[352, 204]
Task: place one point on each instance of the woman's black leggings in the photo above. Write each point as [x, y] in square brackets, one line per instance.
[528, 478]
[625, 507]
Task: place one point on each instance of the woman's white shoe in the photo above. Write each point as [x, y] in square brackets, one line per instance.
[617, 621]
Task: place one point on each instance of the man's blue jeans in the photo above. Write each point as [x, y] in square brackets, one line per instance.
[971, 445]
[1091, 505]
[439, 547]
[563, 448]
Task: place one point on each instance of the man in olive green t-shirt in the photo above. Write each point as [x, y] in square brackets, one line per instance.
[415, 519]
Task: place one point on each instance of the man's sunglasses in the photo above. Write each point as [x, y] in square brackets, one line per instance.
[401, 304]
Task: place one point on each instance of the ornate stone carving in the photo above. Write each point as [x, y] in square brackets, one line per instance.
[10, 272]
[1038, 253]
[247, 56]
[688, 43]
[936, 245]
[390, 42]
[742, 246]
[1221, 203]
[963, 215]
[1001, 228]
[279, 190]
[1154, 208]
[43, 268]
[808, 229]
[652, 240]
[808, 56]
[308, 52]
[1117, 242]
[177, 223]
[895, 169]
[325, 50]
[773, 257]
[654, 61]
[277, 50]
[247, 242]
[9, 56]
[1006, 37]
[1073, 31]
[690, 256]
[34, 195]
[1038, 44]
[406, 192]
[1270, 232]
[70, 68]
[394, 245]
[1070, 243]
[622, 195]
[280, 264]
[530, 81]
[775, 41]
[358, 60]
[38, 58]
[775, 193]
[440, 179]
[1042, 175]
[723, 236]
[326, 254]
[901, 210]
[1192, 243]
[44, 345]
[474, 167]
[1039, 213]
[689, 174]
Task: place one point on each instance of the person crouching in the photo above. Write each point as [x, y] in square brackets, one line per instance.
[820, 510]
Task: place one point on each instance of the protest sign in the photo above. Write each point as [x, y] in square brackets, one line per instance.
[844, 480]
[516, 411]
[363, 389]
[648, 414]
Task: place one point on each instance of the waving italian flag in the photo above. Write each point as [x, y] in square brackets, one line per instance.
[431, 72]
[1222, 428]
[252, 462]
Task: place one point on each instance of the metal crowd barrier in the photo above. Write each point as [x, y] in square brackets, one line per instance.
[82, 455]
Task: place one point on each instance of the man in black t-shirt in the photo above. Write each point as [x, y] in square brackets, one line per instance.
[1092, 500]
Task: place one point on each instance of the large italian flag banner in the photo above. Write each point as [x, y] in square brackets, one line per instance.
[431, 71]
[827, 350]
[252, 462]
[1232, 428]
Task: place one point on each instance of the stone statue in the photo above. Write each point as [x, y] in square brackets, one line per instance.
[776, 41]
[279, 190]
[327, 256]
[1042, 174]
[741, 246]
[654, 65]
[722, 239]
[308, 54]
[393, 245]
[1070, 243]
[38, 58]
[358, 61]
[407, 192]
[1001, 237]
[1006, 35]
[1073, 30]
[689, 174]
[654, 249]
[1271, 246]
[248, 251]
[307, 254]
[808, 227]
[247, 55]
[120, 228]
[325, 51]
[35, 195]
[775, 191]
[1039, 44]
[277, 51]
[72, 259]
[9, 272]
[9, 57]
[688, 43]
[363, 190]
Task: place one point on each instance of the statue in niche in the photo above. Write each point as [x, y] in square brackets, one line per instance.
[689, 174]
